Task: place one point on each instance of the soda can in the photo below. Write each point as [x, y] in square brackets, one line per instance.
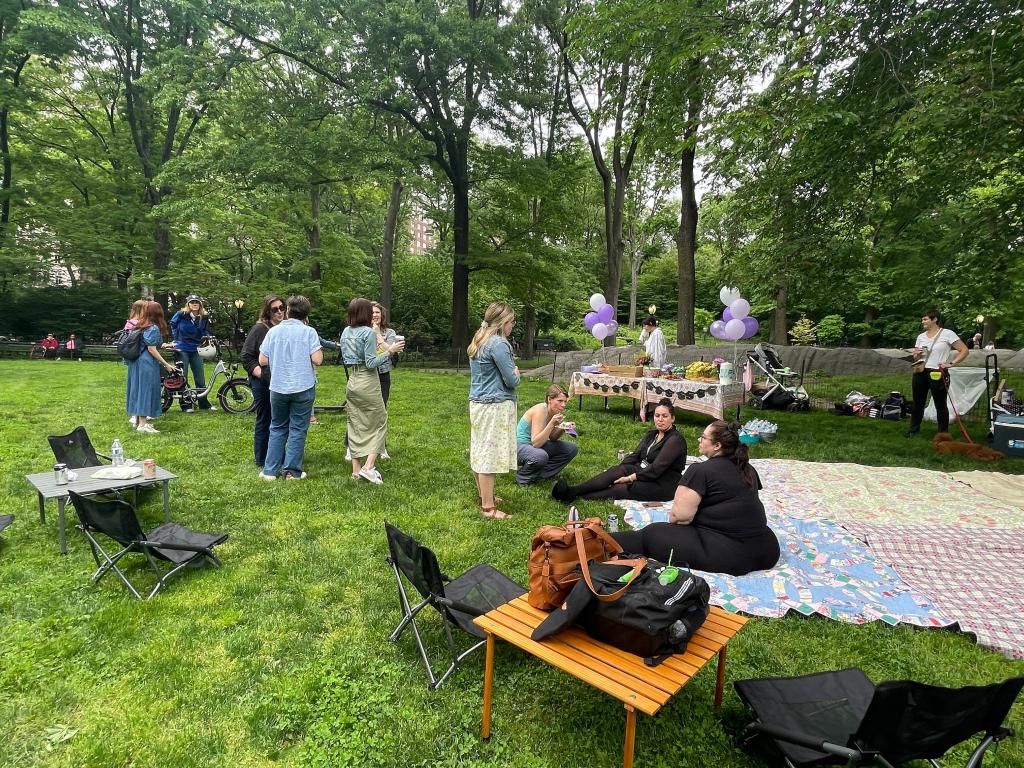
[149, 468]
[60, 474]
[613, 523]
[621, 454]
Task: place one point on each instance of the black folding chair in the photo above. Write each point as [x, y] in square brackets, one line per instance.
[842, 718]
[75, 449]
[458, 600]
[169, 543]
[5, 520]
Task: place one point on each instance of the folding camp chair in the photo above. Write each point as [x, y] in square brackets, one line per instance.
[842, 718]
[170, 542]
[75, 449]
[458, 600]
[5, 520]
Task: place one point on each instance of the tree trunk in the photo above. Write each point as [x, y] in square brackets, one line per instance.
[161, 260]
[779, 327]
[387, 255]
[530, 325]
[5, 184]
[313, 234]
[460, 269]
[686, 247]
[867, 340]
[615, 246]
[634, 276]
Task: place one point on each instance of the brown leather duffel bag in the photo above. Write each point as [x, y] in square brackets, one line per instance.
[554, 555]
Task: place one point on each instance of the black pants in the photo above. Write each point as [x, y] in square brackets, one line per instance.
[921, 384]
[385, 386]
[702, 548]
[603, 486]
[261, 432]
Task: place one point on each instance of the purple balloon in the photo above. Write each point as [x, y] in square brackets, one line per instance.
[717, 329]
[726, 315]
[606, 313]
[590, 319]
[612, 327]
[735, 329]
[751, 324]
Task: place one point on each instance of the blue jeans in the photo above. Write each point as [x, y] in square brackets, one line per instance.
[289, 422]
[192, 361]
[261, 434]
[542, 463]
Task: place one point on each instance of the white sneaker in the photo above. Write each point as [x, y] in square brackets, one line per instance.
[268, 478]
[290, 476]
[133, 420]
[384, 454]
[148, 428]
[372, 475]
[190, 410]
[212, 408]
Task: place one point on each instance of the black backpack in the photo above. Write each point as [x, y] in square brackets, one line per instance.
[650, 619]
[130, 344]
[894, 407]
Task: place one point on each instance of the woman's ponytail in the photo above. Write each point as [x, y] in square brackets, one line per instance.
[728, 436]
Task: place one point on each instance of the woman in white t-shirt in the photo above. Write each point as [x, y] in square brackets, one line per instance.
[654, 341]
[933, 347]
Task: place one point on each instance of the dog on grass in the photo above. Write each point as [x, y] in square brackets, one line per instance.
[943, 442]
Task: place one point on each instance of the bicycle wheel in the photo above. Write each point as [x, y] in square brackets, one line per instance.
[166, 400]
[235, 396]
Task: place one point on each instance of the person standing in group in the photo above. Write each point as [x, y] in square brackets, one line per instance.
[385, 335]
[654, 341]
[931, 360]
[493, 378]
[190, 326]
[364, 400]
[292, 350]
[143, 392]
[541, 453]
[135, 315]
[271, 313]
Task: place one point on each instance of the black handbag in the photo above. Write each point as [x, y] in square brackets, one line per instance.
[648, 618]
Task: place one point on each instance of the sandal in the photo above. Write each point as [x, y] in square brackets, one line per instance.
[497, 500]
[494, 513]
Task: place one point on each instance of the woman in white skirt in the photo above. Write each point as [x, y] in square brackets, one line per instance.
[493, 378]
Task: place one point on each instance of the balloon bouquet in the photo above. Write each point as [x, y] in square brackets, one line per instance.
[736, 322]
[601, 321]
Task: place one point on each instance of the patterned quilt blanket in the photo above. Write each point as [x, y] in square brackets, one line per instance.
[952, 554]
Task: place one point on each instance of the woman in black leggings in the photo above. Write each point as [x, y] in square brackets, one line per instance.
[650, 473]
[717, 520]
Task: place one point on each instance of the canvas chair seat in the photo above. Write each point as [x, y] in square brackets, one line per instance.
[477, 591]
[75, 449]
[6, 520]
[842, 718]
[171, 543]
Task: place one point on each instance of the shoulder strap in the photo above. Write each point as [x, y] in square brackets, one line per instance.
[638, 566]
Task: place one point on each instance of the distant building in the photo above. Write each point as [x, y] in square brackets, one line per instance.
[421, 235]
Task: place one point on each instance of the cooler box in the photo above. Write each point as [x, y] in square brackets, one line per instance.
[1008, 434]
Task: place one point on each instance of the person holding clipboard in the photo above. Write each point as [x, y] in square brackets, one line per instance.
[931, 360]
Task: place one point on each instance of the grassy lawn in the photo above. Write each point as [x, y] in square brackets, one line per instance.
[281, 657]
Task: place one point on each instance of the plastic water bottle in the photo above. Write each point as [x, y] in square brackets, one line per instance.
[613, 523]
[116, 453]
[574, 514]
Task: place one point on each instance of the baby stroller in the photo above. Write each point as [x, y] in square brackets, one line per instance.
[1001, 400]
[780, 392]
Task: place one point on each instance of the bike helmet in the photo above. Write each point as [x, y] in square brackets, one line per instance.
[208, 350]
[194, 297]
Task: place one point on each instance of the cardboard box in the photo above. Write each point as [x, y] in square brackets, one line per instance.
[1008, 434]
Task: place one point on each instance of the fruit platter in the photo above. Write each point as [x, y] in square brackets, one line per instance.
[701, 371]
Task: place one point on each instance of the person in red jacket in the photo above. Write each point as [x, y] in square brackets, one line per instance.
[50, 344]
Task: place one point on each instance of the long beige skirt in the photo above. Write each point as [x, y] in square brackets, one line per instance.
[492, 437]
[367, 417]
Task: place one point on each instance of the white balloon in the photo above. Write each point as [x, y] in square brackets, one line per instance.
[597, 301]
[734, 329]
[728, 295]
[600, 330]
[740, 308]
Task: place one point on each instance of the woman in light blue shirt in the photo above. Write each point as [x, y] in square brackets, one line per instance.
[493, 378]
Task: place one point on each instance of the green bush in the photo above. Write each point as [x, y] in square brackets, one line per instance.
[802, 332]
[830, 330]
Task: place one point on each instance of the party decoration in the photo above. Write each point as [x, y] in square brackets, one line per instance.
[751, 325]
[734, 329]
[726, 315]
[612, 327]
[597, 301]
[740, 308]
[728, 295]
[600, 331]
[606, 313]
[589, 319]
[717, 330]
[652, 310]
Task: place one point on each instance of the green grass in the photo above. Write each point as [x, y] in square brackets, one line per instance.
[281, 657]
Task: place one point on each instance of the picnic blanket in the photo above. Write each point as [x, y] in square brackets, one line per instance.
[1008, 489]
[958, 549]
[822, 569]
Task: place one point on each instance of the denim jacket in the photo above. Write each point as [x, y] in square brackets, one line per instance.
[492, 374]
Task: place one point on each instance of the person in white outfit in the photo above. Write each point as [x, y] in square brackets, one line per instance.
[654, 341]
[931, 359]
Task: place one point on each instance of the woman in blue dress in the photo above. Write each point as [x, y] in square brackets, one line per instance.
[143, 395]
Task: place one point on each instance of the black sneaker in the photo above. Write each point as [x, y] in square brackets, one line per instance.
[560, 490]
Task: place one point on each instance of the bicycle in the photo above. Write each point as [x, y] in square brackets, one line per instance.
[235, 394]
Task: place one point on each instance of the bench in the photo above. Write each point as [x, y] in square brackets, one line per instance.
[618, 673]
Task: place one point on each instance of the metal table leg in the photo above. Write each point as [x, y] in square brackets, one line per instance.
[42, 508]
[485, 730]
[61, 501]
[167, 502]
[627, 749]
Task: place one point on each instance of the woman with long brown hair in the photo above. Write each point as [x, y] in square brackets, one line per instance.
[271, 313]
[143, 395]
[717, 522]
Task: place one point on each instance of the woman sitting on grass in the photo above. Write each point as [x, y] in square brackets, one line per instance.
[717, 522]
[650, 473]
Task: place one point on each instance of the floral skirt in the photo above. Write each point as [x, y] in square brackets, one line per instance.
[492, 437]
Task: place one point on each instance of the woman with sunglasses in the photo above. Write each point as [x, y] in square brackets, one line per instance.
[271, 313]
[189, 326]
[717, 522]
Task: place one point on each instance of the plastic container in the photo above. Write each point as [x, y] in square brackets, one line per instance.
[748, 438]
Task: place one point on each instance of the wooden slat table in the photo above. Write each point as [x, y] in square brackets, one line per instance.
[617, 673]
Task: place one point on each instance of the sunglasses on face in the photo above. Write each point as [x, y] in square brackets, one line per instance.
[277, 309]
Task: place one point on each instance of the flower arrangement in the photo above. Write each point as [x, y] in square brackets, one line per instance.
[718, 362]
[642, 358]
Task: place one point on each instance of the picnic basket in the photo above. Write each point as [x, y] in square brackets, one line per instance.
[634, 371]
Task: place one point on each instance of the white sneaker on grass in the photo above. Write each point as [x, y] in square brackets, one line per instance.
[268, 478]
[372, 475]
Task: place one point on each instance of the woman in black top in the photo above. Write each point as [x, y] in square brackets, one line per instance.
[650, 473]
[271, 313]
[717, 522]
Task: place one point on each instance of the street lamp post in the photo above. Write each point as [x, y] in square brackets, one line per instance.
[239, 303]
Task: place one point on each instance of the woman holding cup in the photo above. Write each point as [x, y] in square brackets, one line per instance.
[931, 360]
